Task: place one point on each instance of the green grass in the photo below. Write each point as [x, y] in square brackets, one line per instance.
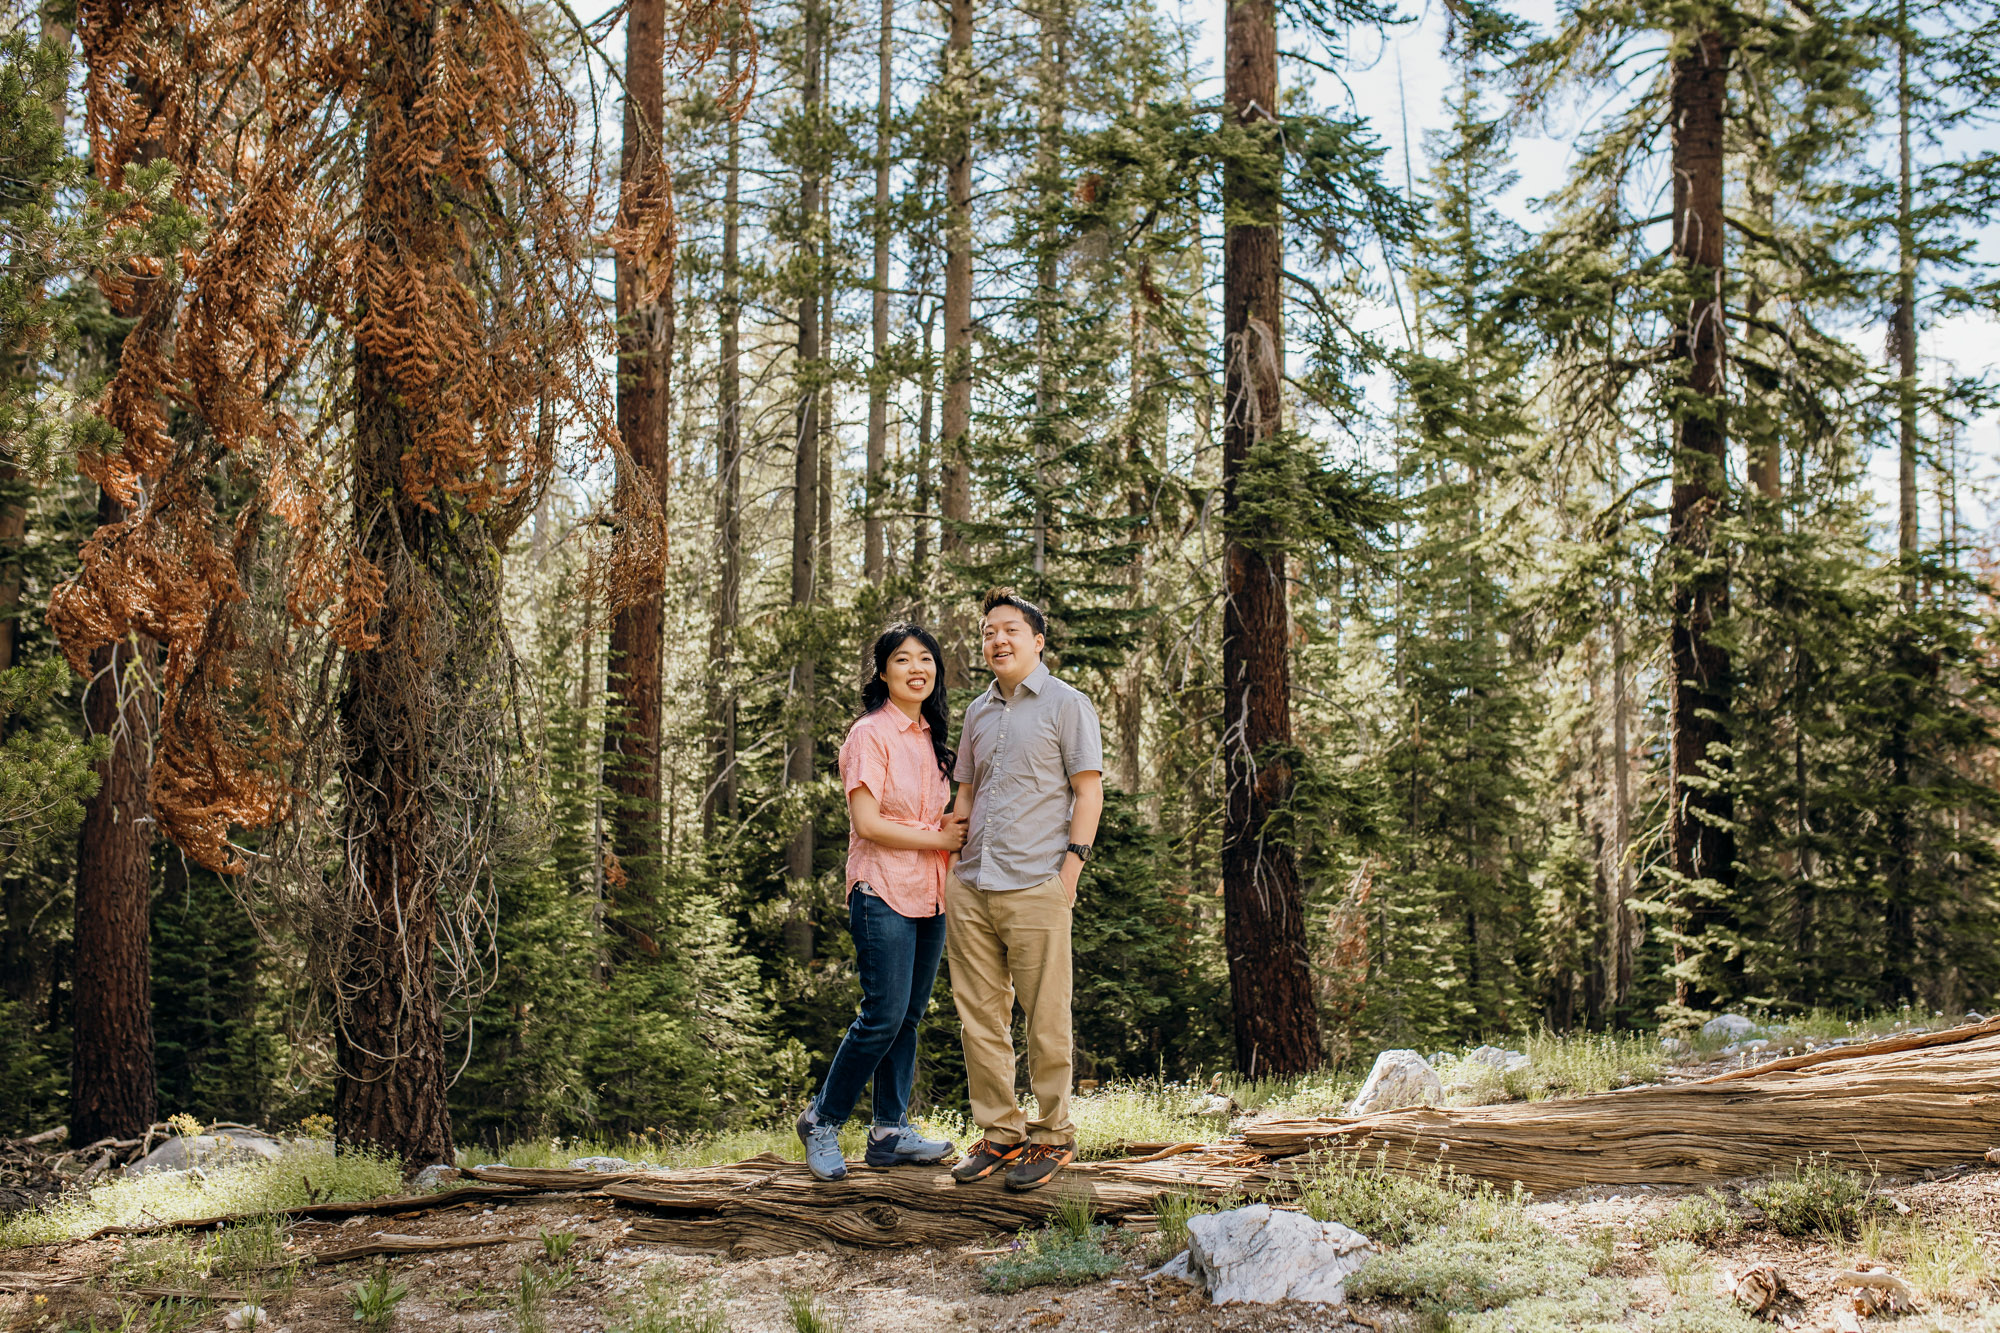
[302, 1174]
[663, 1304]
[1945, 1259]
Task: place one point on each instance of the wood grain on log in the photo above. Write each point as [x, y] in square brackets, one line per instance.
[771, 1206]
[1899, 1112]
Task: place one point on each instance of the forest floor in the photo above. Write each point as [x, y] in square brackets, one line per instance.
[1639, 1278]
[1452, 1258]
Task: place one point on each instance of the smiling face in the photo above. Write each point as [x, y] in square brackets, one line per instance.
[1010, 644]
[910, 674]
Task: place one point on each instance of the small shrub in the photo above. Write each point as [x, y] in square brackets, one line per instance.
[250, 1253]
[532, 1288]
[1703, 1218]
[1680, 1263]
[556, 1246]
[170, 1259]
[1601, 1244]
[1945, 1261]
[1452, 1274]
[806, 1315]
[1174, 1212]
[664, 1305]
[1817, 1199]
[1387, 1207]
[373, 1302]
[1053, 1258]
[175, 1314]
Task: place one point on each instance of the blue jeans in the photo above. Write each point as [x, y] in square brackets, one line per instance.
[897, 957]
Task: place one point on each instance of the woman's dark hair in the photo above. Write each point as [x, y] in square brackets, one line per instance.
[875, 690]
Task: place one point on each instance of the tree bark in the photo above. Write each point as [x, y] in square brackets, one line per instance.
[798, 928]
[112, 1082]
[1270, 980]
[645, 361]
[878, 379]
[729, 493]
[955, 472]
[390, 1090]
[1903, 329]
[1703, 848]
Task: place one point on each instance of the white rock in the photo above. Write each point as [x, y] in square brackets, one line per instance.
[1733, 1026]
[1674, 1046]
[206, 1150]
[1260, 1255]
[605, 1165]
[432, 1176]
[1399, 1078]
[245, 1317]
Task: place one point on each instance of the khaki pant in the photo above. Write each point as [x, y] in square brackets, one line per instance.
[1003, 947]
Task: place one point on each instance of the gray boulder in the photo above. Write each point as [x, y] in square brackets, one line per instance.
[1733, 1027]
[1399, 1079]
[207, 1151]
[1261, 1255]
[1504, 1062]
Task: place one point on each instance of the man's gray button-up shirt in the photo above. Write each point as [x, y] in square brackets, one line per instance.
[1019, 755]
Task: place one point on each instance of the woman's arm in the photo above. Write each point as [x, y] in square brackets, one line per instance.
[866, 813]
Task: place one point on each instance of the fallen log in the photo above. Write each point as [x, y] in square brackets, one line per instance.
[1914, 1041]
[392, 1245]
[769, 1206]
[328, 1212]
[1901, 1111]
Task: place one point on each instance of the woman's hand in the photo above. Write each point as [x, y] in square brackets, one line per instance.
[953, 832]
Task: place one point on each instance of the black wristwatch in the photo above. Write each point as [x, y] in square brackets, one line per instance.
[1082, 850]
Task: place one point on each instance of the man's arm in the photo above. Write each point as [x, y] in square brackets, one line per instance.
[1089, 806]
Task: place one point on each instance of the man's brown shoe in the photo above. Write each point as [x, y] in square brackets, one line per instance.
[1038, 1165]
[983, 1158]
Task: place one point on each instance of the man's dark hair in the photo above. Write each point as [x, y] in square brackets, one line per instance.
[1008, 597]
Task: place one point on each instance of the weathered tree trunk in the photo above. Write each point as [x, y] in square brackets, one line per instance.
[645, 361]
[1702, 845]
[1903, 328]
[728, 493]
[798, 929]
[1270, 979]
[390, 1092]
[955, 473]
[878, 379]
[920, 525]
[112, 1083]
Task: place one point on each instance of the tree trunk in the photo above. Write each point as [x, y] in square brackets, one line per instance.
[390, 1092]
[645, 361]
[1270, 979]
[112, 1087]
[878, 379]
[729, 495]
[1903, 328]
[798, 929]
[955, 498]
[1703, 849]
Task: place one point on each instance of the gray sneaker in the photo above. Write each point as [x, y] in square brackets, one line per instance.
[822, 1142]
[905, 1147]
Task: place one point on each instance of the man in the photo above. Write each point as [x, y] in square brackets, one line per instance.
[1030, 774]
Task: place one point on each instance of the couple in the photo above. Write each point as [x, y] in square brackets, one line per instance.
[1030, 789]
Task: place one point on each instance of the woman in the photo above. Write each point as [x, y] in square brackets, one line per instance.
[896, 767]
